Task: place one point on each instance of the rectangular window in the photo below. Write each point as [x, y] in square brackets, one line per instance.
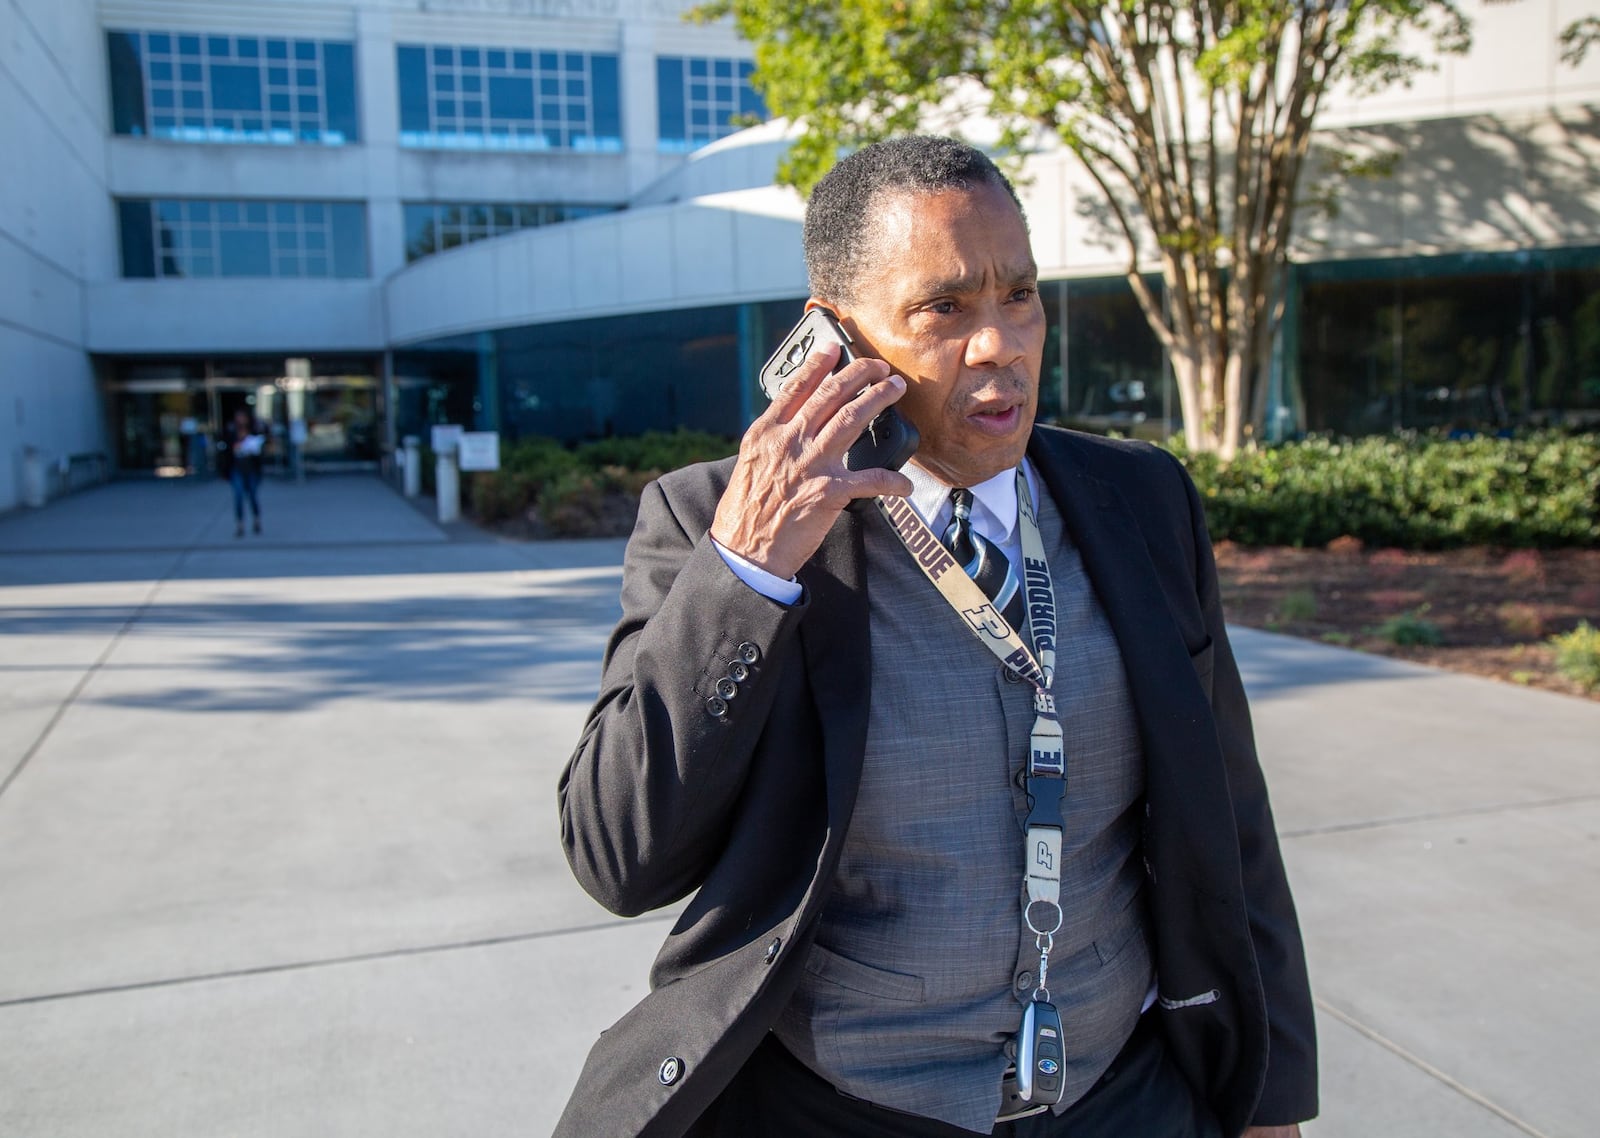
[194, 238]
[232, 88]
[432, 227]
[701, 100]
[481, 98]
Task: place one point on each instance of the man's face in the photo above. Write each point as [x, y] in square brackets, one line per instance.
[951, 302]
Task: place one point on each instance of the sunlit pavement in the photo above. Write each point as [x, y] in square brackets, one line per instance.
[279, 856]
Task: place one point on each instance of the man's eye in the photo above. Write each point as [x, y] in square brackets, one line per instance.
[1025, 293]
[942, 307]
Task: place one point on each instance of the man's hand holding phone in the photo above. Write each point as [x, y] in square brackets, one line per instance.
[791, 483]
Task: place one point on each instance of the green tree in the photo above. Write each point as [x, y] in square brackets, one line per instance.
[1193, 118]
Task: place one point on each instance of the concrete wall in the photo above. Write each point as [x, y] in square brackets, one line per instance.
[56, 231]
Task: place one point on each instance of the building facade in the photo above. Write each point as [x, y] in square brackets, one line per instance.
[359, 217]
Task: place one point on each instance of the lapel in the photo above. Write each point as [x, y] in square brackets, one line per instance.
[1174, 714]
[835, 636]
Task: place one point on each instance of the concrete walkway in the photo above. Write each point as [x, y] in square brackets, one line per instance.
[279, 857]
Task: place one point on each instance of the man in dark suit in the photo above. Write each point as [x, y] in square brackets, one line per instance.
[798, 731]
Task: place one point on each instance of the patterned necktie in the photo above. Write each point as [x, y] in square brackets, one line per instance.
[983, 561]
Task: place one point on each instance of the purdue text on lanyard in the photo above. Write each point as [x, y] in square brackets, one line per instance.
[1039, 1050]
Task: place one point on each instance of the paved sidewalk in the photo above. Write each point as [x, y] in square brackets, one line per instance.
[279, 857]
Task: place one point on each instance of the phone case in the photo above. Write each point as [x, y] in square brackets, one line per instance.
[889, 441]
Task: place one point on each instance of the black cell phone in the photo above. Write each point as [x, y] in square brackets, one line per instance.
[889, 441]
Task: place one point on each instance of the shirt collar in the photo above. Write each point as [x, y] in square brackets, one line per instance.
[994, 509]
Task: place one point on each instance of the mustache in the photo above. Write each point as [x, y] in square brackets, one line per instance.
[1005, 380]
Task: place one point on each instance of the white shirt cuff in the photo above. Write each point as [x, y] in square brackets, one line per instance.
[769, 585]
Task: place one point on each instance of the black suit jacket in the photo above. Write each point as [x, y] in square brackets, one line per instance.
[747, 810]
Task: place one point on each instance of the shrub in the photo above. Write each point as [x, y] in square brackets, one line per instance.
[1408, 491]
[1298, 606]
[573, 504]
[1411, 630]
[1578, 655]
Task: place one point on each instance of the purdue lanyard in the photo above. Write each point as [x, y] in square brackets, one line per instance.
[1039, 1052]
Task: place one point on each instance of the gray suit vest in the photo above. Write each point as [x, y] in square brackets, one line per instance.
[916, 982]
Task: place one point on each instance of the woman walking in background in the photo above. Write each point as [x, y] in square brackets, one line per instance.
[239, 450]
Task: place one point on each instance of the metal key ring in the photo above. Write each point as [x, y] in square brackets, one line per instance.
[1027, 916]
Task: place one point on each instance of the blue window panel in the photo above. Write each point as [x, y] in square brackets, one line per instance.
[316, 239]
[549, 61]
[194, 101]
[700, 117]
[170, 267]
[723, 68]
[574, 62]
[472, 84]
[136, 232]
[472, 108]
[191, 73]
[746, 69]
[550, 112]
[219, 47]
[277, 49]
[511, 98]
[670, 124]
[235, 87]
[606, 102]
[251, 126]
[313, 213]
[550, 87]
[421, 231]
[471, 57]
[288, 266]
[228, 213]
[255, 213]
[226, 123]
[497, 61]
[306, 77]
[444, 57]
[164, 122]
[522, 60]
[697, 68]
[285, 213]
[445, 82]
[445, 108]
[339, 72]
[161, 98]
[197, 122]
[575, 112]
[575, 88]
[309, 105]
[200, 238]
[245, 253]
[725, 93]
[197, 211]
[316, 266]
[700, 92]
[249, 49]
[160, 42]
[202, 266]
[305, 50]
[277, 76]
[412, 66]
[189, 45]
[751, 103]
[279, 104]
[160, 71]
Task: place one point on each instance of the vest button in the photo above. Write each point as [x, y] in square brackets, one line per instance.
[1011, 677]
[1024, 981]
[772, 949]
[671, 1070]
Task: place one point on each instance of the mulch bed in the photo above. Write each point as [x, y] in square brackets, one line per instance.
[1493, 610]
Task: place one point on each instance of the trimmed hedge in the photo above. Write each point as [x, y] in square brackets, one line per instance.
[589, 490]
[1408, 491]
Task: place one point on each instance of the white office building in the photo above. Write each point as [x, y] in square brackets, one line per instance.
[365, 216]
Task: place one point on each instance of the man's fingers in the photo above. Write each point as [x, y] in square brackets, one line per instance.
[800, 383]
[844, 425]
[871, 483]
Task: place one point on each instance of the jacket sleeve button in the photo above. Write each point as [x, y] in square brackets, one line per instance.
[671, 1070]
[738, 671]
[749, 653]
[717, 706]
[726, 688]
[772, 949]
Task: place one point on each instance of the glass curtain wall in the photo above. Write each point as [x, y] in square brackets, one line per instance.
[701, 100]
[1472, 342]
[169, 238]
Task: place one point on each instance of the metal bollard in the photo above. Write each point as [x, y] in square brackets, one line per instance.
[411, 466]
[34, 490]
[447, 481]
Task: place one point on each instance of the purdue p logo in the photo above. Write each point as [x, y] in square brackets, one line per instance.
[986, 622]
